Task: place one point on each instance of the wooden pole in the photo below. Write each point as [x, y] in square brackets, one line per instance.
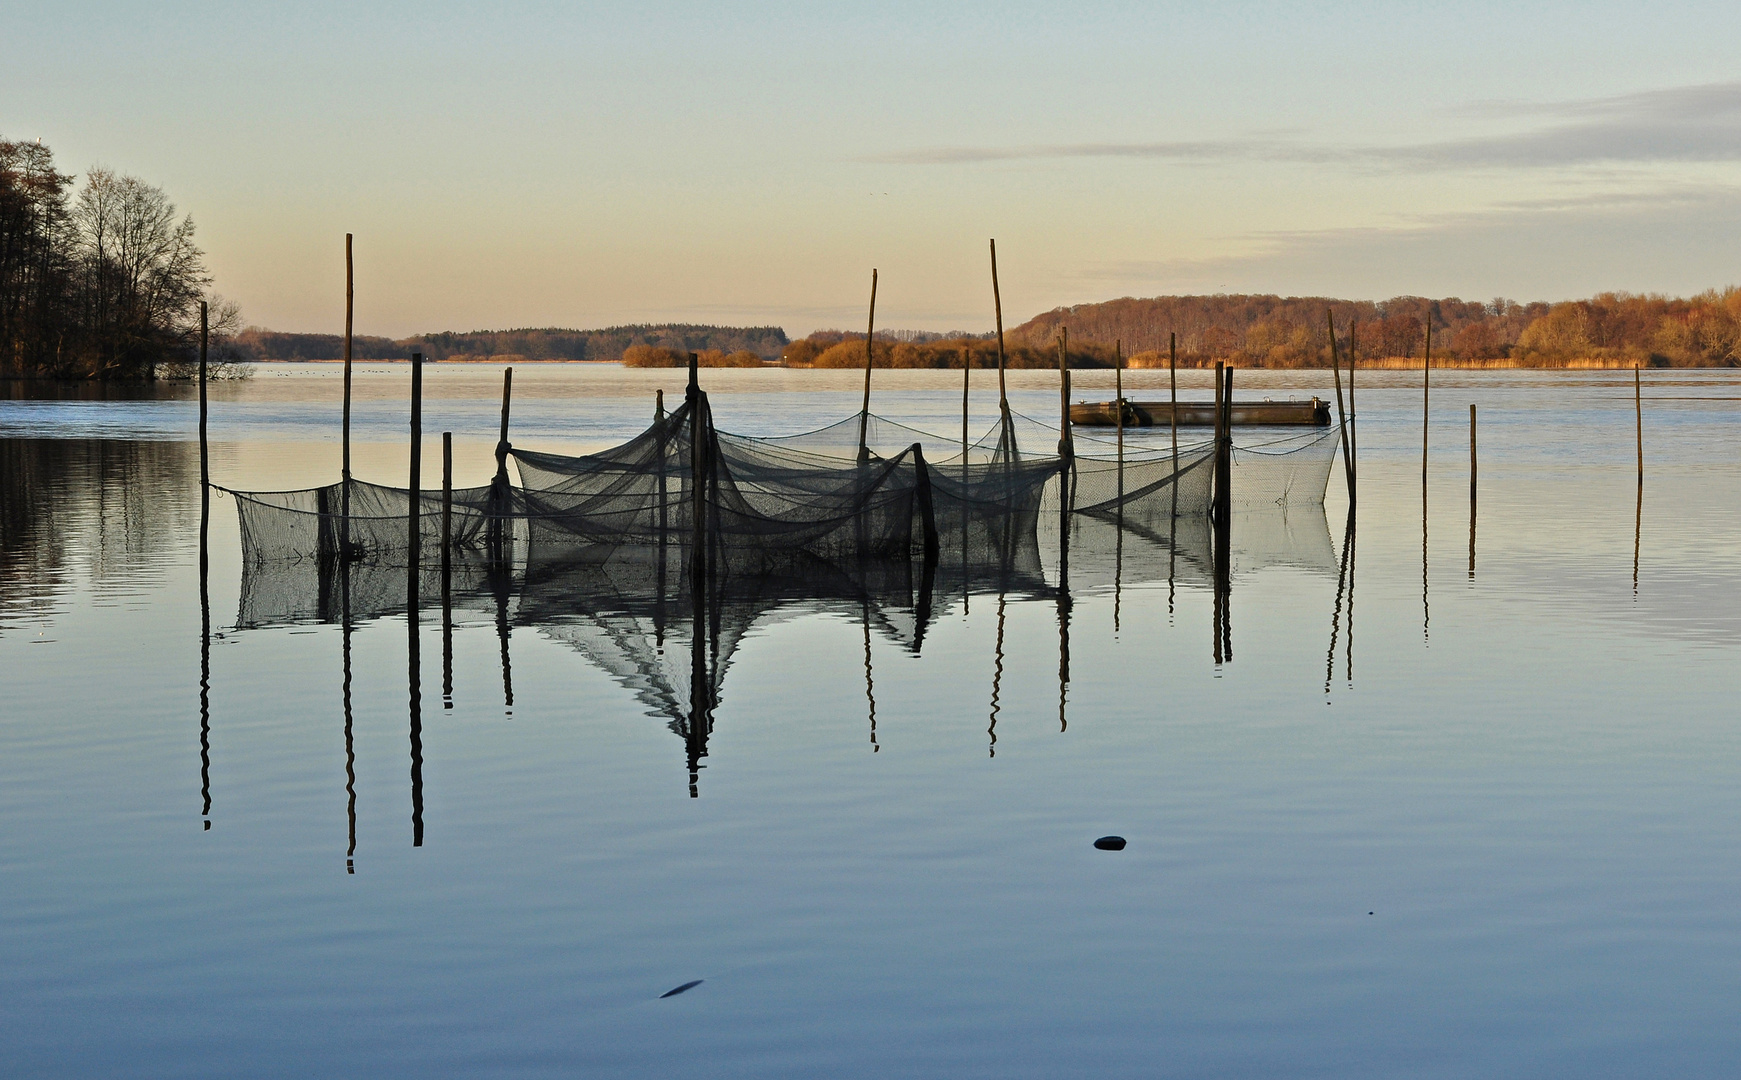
[1472, 466]
[1220, 415]
[1173, 391]
[1426, 392]
[1003, 402]
[966, 381]
[1336, 368]
[1472, 488]
[446, 504]
[499, 483]
[1066, 441]
[869, 345]
[416, 483]
[1638, 412]
[502, 444]
[1227, 444]
[1066, 472]
[1353, 416]
[697, 491]
[205, 469]
[414, 558]
[350, 294]
[1118, 392]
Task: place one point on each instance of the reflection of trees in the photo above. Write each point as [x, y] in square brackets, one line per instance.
[104, 509]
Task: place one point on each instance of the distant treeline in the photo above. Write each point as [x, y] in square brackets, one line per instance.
[844, 349]
[610, 343]
[101, 282]
[660, 356]
[1274, 331]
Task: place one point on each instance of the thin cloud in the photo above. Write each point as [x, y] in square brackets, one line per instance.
[966, 155]
[1680, 125]
[1674, 239]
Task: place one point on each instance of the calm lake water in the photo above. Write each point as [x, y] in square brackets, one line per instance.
[1461, 802]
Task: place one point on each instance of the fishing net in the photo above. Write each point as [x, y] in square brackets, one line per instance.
[866, 488]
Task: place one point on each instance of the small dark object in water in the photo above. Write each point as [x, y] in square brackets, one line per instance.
[1110, 843]
[680, 989]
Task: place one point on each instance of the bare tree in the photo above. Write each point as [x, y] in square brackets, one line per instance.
[140, 275]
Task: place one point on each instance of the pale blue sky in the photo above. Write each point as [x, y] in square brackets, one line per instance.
[583, 165]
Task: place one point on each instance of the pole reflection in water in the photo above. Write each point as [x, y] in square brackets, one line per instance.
[414, 676]
[1064, 632]
[996, 679]
[869, 692]
[1350, 546]
[499, 584]
[1342, 582]
[1223, 586]
[700, 698]
[350, 740]
[1117, 570]
[1637, 536]
[447, 570]
[1426, 608]
[206, 676]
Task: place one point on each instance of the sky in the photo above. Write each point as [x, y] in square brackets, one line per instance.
[582, 165]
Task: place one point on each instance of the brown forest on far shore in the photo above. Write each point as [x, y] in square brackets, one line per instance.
[1606, 330]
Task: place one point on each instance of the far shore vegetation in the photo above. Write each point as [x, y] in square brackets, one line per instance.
[100, 278]
[1610, 330]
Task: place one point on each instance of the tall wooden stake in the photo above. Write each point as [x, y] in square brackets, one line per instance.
[1066, 440]
[698, 492]
[1003, 402]
[1472, 467]
[1472, 489]
[1066, 473]
[869, 345]
[1426, 393]
[1336, 368]
[413, 644]
[1638, 412]
[966, 382]
[1220, 419]
[1353, 415]
[1118, 392]
[345, 439]
[1173, 391]
[416, 427]
[205, 469]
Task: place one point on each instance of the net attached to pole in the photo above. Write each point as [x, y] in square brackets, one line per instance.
[769, 504]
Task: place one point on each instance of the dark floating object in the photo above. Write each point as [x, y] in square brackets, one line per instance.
[1110, 843]
[686, 986]
[1313, 413]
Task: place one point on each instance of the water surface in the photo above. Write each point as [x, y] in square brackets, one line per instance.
[1453, 801]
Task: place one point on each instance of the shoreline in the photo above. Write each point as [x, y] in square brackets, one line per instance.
[1385, 363]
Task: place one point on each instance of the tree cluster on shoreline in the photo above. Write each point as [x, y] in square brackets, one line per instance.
[843, 349]
[548, 343]
[658, 356]
[1286, 332]
[101, 281]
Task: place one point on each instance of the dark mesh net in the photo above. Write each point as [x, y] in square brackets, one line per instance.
[863, 489]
